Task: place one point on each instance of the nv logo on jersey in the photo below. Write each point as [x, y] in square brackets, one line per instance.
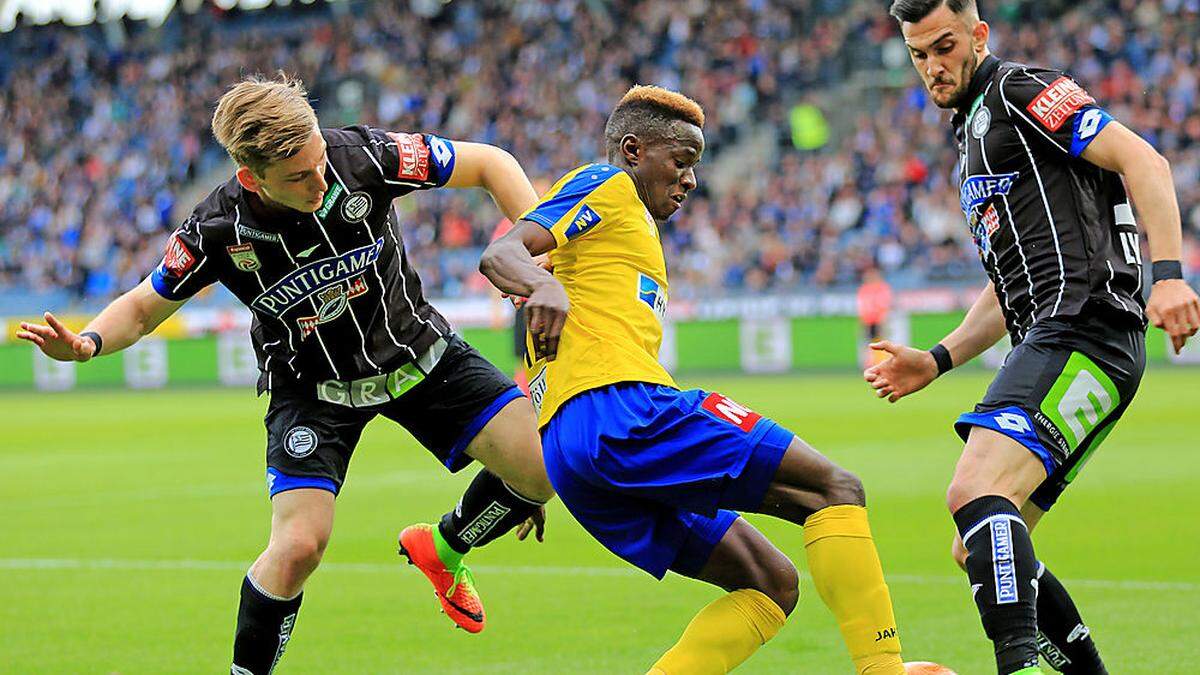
[978, 189]
[584, 221]
[315, 276]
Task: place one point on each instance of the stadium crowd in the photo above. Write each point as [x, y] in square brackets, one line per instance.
[106, 127]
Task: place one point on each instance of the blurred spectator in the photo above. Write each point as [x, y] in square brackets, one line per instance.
[105, 127]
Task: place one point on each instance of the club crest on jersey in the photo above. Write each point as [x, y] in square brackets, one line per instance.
[976, 190]
[244, 258]
[981, 123]
[178, 258]
[331, 303]
[584, 221]
[356, 207]
[653, 294]
[316, 276]
[1057, 102]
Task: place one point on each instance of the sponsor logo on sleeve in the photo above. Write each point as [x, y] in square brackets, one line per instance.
[178, 259]
[414, 156]
[728, 411]
[1058, 102]
[585, 220]
[244, 258]
[318, 275]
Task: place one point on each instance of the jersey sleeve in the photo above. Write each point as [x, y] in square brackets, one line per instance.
[185, 268]
[1053, 108]
[411, 161]
[579, 203]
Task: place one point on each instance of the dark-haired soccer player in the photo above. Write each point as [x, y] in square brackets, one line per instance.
[653, 472]
[1041, 168]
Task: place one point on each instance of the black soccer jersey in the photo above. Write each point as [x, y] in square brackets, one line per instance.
[1056, 234]
[332, 293]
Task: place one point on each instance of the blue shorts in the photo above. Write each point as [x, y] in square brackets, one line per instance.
[654, 473]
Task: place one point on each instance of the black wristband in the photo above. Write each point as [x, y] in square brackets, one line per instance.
[942, 356]
[95, 338]
[1166, 269]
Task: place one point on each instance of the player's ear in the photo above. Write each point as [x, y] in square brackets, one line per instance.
[979, 36]
[631, 149]
[248, 180]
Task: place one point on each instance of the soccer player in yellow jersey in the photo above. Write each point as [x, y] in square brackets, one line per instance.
[655, 474]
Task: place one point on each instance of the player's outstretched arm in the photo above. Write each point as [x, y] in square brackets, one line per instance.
[124, 322]
[494, 170]
[509, 264]
[911, 370]
[1173, 305]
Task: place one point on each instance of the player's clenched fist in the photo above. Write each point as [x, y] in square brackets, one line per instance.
[57, 341]
[907, 371]
[546, 314]
[1174, 307]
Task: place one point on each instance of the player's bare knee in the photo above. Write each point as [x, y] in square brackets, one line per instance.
[843, 487]
[300, 553]
[782, 584]
[533, 484]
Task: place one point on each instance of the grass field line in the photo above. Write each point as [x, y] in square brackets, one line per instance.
[45, 501]
[186, 564]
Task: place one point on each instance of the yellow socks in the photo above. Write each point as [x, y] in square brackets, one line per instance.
[846, 571]
[723, 634]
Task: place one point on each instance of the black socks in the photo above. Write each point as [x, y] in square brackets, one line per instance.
[264, 626]
[1063, 639]
[1003, 573]
[487, 510]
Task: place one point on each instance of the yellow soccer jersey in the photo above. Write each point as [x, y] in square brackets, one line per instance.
[610, 261]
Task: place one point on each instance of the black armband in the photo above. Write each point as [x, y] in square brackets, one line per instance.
[95, 338]
[1166, 269]
[941, 355]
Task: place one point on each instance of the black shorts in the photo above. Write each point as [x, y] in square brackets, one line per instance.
[309, 441]
[1059, 393]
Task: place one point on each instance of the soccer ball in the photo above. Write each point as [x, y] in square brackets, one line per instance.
[926, 668]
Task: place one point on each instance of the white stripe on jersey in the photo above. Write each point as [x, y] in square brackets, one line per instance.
[400, 250]
[387, 321]
[354, 318]
[316, 309]
[1062, 271]
[237, 213]
[1112, 274]
[1012, 225]
[1012, 108]
[384, 173]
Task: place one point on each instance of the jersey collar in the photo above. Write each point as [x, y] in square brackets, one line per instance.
[983, 75]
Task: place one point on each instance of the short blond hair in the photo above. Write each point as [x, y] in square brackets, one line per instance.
[260, 120]
[648, 111]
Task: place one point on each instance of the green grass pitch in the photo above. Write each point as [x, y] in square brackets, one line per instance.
[130, 517]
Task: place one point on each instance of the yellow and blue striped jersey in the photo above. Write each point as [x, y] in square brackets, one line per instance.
[610, 261]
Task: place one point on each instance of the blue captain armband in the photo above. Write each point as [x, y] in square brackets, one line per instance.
[1089, 122]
